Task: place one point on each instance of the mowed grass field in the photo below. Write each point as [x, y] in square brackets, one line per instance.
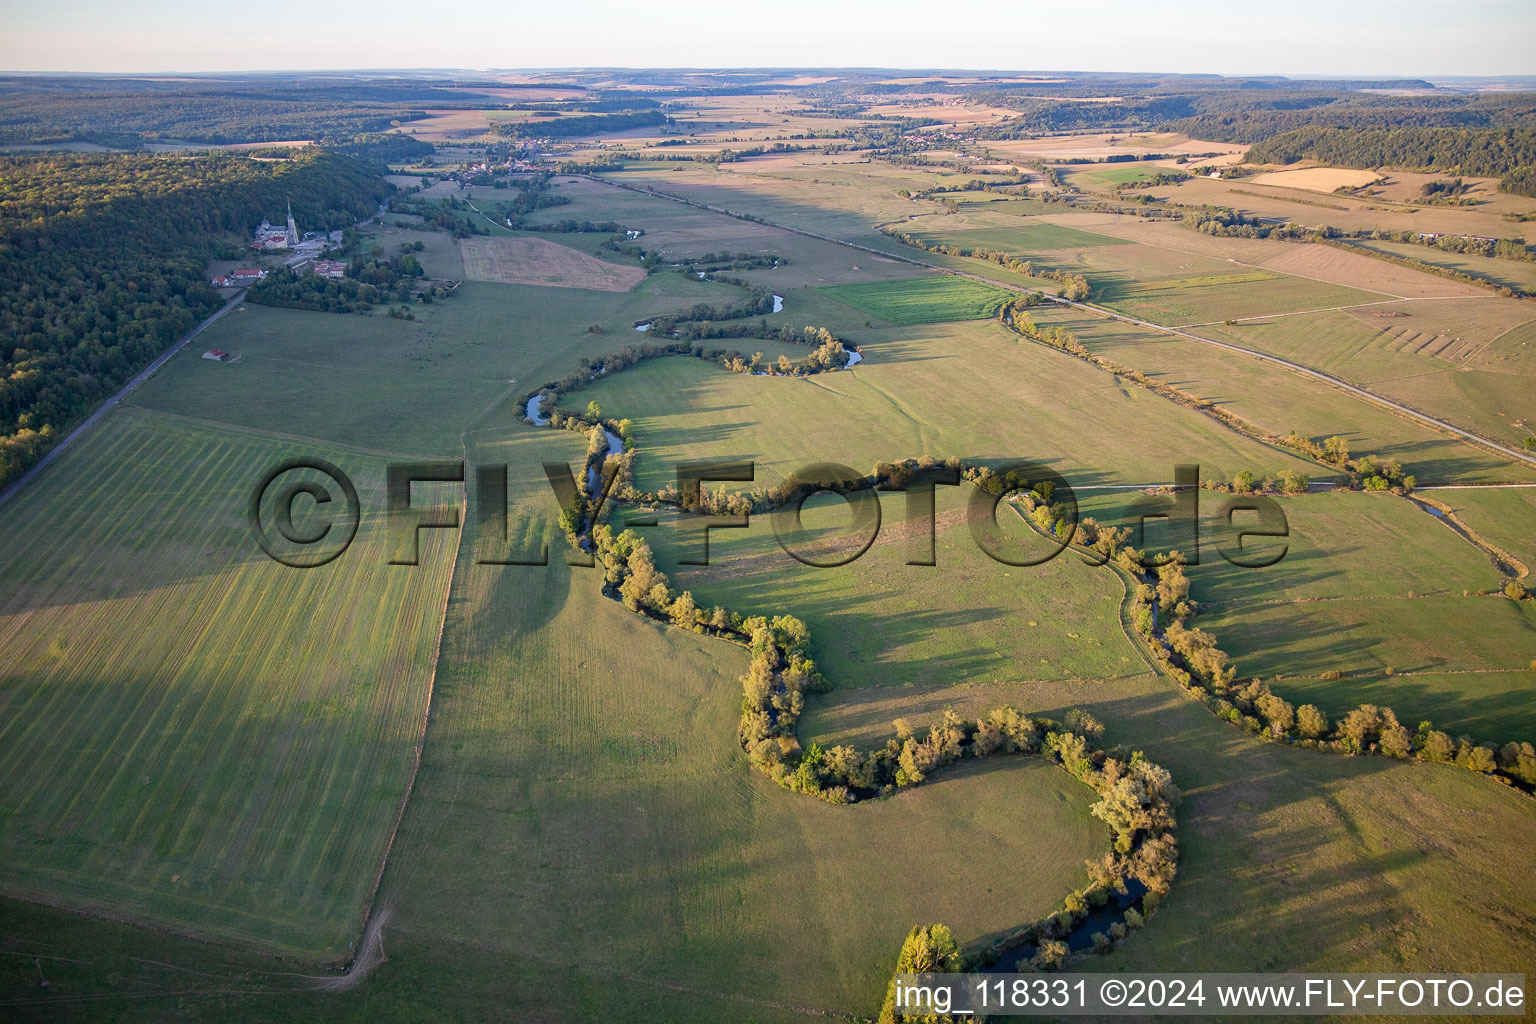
[191, 735]
[924, 301]
[1157, 272]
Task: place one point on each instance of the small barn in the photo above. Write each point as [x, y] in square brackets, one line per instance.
[218, 355]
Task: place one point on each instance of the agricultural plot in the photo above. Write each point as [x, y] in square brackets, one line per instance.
[1460, 662]
[581, 775]
[1334, 264]
[924, 301]
[987, 230]
[1176, 301]
[1316, 179]
[1513, 273]
[1374, 601]
[1111, 176]
[540, 262]
[411, 387]
[1378, 591]
[196, 737]
[678, 231]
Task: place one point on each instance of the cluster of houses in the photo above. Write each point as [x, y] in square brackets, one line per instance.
[333, 269]
[239, 278]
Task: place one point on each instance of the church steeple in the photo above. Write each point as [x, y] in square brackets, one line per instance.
[293, 229]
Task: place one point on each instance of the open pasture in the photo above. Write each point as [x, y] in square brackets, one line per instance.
[880, 622]
[196, 737]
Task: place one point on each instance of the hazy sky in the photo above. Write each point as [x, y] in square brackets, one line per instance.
[1359, 37]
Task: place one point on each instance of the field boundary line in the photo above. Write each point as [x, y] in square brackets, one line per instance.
[368, 954]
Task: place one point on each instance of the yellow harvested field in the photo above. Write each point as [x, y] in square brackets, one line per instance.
[946, 113]
[447, 125]
[536, 261]
[1315, 179]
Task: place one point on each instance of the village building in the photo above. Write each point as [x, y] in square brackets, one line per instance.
[333, 269]
[217, 355]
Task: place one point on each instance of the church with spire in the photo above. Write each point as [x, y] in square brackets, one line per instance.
[293, 229]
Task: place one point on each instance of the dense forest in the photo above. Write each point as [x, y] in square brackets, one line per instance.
[1247, 114]
[102, 266]
[124, 113]
[563, 127]
[380, 148]
[1491, 152]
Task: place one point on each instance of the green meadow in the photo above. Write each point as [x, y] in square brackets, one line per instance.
[924, 301]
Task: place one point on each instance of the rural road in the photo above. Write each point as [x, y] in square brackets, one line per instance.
[143, 375]
[106, 407]
[1294, 367]
[1307, 371]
